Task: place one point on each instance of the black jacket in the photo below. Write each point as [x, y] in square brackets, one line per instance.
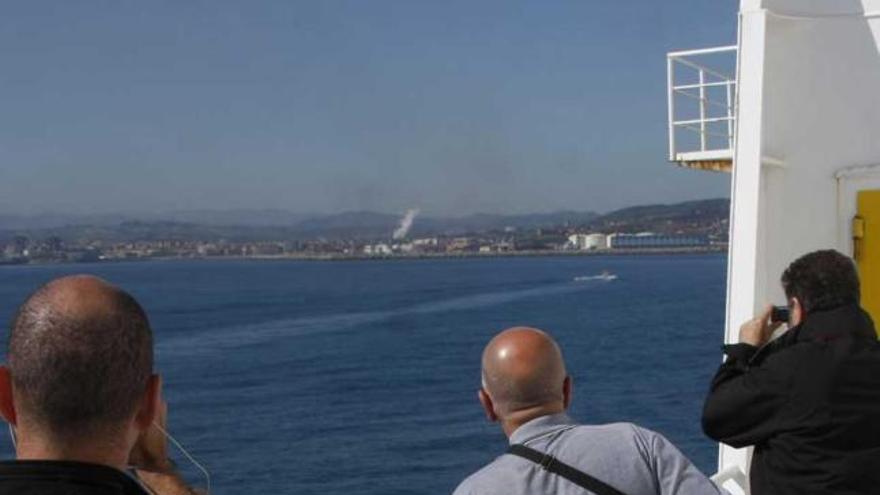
[64, 478]
[810, 404]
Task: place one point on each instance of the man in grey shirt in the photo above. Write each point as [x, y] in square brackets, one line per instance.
[527, 390]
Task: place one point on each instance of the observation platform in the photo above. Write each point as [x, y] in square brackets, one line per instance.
[701, 96]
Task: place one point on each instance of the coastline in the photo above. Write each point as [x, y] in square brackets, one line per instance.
[501, 254]
[330, 257]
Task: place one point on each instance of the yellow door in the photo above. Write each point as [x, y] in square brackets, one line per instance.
[866, 236]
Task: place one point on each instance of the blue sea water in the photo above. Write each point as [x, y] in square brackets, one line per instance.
[361, 377]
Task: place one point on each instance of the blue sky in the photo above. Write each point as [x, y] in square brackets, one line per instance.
[450, 106]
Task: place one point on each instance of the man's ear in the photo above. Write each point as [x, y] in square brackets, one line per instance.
[566, 391]
[7, 404]
[151, 402]
[488, 406]
[796, 316]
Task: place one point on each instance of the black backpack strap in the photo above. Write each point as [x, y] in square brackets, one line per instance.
[554, 465]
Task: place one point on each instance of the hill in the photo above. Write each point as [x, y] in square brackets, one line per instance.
[708, 217]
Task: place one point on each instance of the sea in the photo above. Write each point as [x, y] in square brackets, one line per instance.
[361, 376]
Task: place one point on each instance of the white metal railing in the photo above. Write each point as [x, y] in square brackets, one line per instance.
[713, 117]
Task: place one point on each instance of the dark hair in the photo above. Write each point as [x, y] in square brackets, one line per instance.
[822, 280]
[80, 372]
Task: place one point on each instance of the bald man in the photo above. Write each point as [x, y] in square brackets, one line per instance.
[527, 390]
[80, 395]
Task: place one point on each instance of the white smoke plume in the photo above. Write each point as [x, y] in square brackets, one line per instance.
[406, 223]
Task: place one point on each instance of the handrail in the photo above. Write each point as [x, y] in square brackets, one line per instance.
[700, 121]
[695, 86]
[707, 100]
[702, 51]
[708, 133]
[701, 68]
[709, 78]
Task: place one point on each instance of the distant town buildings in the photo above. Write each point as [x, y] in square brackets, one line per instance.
[17, 248]
[21, 249]
[588, 242]
[380, 249]
[461, 245]
[647, 240]
[642, 240]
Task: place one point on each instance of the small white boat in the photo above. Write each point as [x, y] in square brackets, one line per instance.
[605, 276]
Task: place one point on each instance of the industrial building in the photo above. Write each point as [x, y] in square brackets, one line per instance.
[651, 240]
[588, 242]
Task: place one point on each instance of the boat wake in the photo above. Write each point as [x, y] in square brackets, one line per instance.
[247, 334]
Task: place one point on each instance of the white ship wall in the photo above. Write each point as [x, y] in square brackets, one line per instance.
[809, 107]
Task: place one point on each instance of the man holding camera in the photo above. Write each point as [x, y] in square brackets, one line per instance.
[808, 401]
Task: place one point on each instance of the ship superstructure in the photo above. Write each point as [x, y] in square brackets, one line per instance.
[798, 127]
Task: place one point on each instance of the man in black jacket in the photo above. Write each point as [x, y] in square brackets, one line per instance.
[809, 401]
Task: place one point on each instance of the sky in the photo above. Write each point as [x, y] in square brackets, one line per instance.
[453, 107]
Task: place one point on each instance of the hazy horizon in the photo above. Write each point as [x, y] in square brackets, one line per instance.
[453, 108]
[134, 214]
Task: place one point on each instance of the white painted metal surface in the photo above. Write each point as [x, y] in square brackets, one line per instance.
[699, 156]
[732, 479]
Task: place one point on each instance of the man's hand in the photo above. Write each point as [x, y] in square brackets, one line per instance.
[149, 457]
[166, 484]
[150, 453]
[758, 330]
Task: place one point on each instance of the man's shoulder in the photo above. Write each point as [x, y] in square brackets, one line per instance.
[642, 448]
[616, 432]
[481, 478]
[25, 477]
[788, 352]
[602, 448]
[620, 427]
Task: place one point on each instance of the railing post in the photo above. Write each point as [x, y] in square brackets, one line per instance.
[670, 105]
[702, 111]
[729, 116]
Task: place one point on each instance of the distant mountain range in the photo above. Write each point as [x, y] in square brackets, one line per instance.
[248, 218]
[283, 225]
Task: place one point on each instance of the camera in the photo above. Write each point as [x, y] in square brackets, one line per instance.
[779, 314]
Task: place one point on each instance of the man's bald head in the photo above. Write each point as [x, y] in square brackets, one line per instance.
[522, 369]
[80, 356]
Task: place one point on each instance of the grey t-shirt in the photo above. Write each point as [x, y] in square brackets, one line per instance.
[633, 460]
